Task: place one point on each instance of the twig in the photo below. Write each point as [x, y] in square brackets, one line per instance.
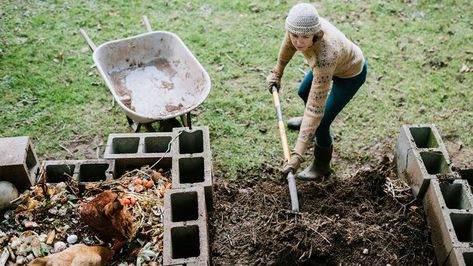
[320, 235]
[168, 149]
[141, 213]
[97, 150]
[231, 59]
[229, 239]
[70, 153]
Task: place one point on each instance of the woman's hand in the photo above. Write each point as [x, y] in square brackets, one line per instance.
[273, 79]
[293, 164]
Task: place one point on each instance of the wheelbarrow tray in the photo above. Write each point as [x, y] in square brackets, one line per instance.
[152, 76]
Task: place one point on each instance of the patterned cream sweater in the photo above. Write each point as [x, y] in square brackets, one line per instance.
[333, 55]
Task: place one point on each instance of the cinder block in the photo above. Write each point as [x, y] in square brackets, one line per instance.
[457, 195]
[185, 227]
[420, 154]
[56, 171]
[186, 244]
[422, 167]
[425, 136]
[184, 204]
[18, 162]
[449, 218]
[437, 216]
[190, 171]
[95, 170]
[460, 257]
[415, 174]
[135, 150]
[192, 141]
[82, 171]
[414, 137]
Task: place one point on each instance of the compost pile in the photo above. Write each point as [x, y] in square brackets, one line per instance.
[368, 219]
[46, 219]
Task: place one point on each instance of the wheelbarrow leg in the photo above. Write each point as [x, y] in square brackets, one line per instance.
[168, 124]
[134, 125]
[186, 120]
[164, 125]
[149, 127]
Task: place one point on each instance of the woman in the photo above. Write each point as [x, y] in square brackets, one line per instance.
[331, 57]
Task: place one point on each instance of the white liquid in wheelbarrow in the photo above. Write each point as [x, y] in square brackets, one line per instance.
[155, 89]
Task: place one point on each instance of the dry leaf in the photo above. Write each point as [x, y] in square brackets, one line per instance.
[90, 186]
[58, 58]
[50, 237]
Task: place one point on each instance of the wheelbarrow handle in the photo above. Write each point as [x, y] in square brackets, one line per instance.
[88, 40]
[147, 25]
[93, 46]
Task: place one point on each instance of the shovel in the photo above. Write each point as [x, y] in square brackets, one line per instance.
[282, 131]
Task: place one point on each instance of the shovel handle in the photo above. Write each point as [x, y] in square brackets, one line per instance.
[282, 130]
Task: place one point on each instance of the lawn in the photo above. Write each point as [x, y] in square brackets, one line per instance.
[419, 54]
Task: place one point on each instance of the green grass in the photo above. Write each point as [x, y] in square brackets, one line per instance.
[415, 52]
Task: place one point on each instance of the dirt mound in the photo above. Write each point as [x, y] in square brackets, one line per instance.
[369, 219]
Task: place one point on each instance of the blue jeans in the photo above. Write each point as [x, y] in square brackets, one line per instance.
[343, 90]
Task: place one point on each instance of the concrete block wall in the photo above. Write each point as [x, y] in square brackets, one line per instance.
[192, 160]
[185, 227]
[421, 156]
[20, 166]
[83, 171]
[423, 162]
[138, 149]
[186, 204]
[449, 207]
[18, 163]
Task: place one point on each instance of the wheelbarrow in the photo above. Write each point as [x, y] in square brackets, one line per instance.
[152, 76]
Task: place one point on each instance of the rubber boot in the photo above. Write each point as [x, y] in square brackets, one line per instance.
[294, 122]
[320, 166]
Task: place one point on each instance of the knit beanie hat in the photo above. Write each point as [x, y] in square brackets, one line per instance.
[303, 19]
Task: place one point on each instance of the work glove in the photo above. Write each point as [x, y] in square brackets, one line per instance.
[273, 79]
[293, 164]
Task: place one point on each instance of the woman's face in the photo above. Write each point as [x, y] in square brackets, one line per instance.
[302, 42]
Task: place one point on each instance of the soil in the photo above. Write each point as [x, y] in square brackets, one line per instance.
[84, 146]
[370, 218]
[460, 155]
